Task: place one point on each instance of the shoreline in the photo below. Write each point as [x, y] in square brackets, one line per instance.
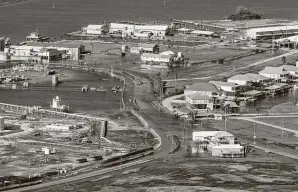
[11, 2]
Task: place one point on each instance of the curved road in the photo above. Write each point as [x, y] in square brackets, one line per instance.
[164, 125]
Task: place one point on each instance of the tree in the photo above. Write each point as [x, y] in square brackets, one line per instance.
[241, 9]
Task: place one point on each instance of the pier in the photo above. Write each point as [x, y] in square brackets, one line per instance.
[46, 112]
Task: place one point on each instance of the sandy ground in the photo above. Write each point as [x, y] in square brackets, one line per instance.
[258, 172]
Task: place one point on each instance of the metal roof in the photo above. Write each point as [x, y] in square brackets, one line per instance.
[94, 27]
[289, 68]
[201, 86]
[216, 134]
[202, 32]
[223, 84]
[156, 56]
[197, 96]
[252, 32]
[274, 70]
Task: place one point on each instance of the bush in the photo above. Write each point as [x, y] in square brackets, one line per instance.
[243, 13]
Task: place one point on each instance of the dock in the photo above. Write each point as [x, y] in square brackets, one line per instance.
[46, 112]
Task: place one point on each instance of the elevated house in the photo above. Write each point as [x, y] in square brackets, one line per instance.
[240, 80]
[276, 73]
[249, 79]
[293, 70]
[202, 97]
[230, 90]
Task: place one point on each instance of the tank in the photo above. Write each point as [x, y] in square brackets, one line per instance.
[1, 123]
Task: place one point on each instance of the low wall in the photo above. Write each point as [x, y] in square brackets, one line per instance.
[152, 131]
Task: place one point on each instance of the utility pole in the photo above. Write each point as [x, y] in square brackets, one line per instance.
[176, 80]
[254, 132]
[226, 118]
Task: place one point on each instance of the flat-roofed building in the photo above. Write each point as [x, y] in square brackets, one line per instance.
[93, 30]
[128, 30]
[150, 57]
[70, 50]
[268, 33]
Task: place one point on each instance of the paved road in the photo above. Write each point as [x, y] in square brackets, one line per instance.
[164, 125]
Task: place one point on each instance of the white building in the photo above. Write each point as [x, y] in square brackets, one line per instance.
[128, 30]
[272, 32]
[150, 57]
[199, 102]
[214, 136]
[293, 70]
[93, 29]
[34, 54]
[275, 72]
[69, 50]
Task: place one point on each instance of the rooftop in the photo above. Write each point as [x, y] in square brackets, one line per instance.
[277, 28]
[94, 27]
[240, 78]
[202, 32]
[274, 70]
[289, 67]
[223, 84]
[201, 86]
[216, 134]
[197, 96]
[256, 77]
[150, 55]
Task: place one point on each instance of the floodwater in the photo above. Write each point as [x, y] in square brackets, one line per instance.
[99, 103]
[54, 17]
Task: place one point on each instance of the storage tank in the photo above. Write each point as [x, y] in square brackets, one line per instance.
[1, 123]
[54, 80]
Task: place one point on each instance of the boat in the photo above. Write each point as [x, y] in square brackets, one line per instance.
[36, 37]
